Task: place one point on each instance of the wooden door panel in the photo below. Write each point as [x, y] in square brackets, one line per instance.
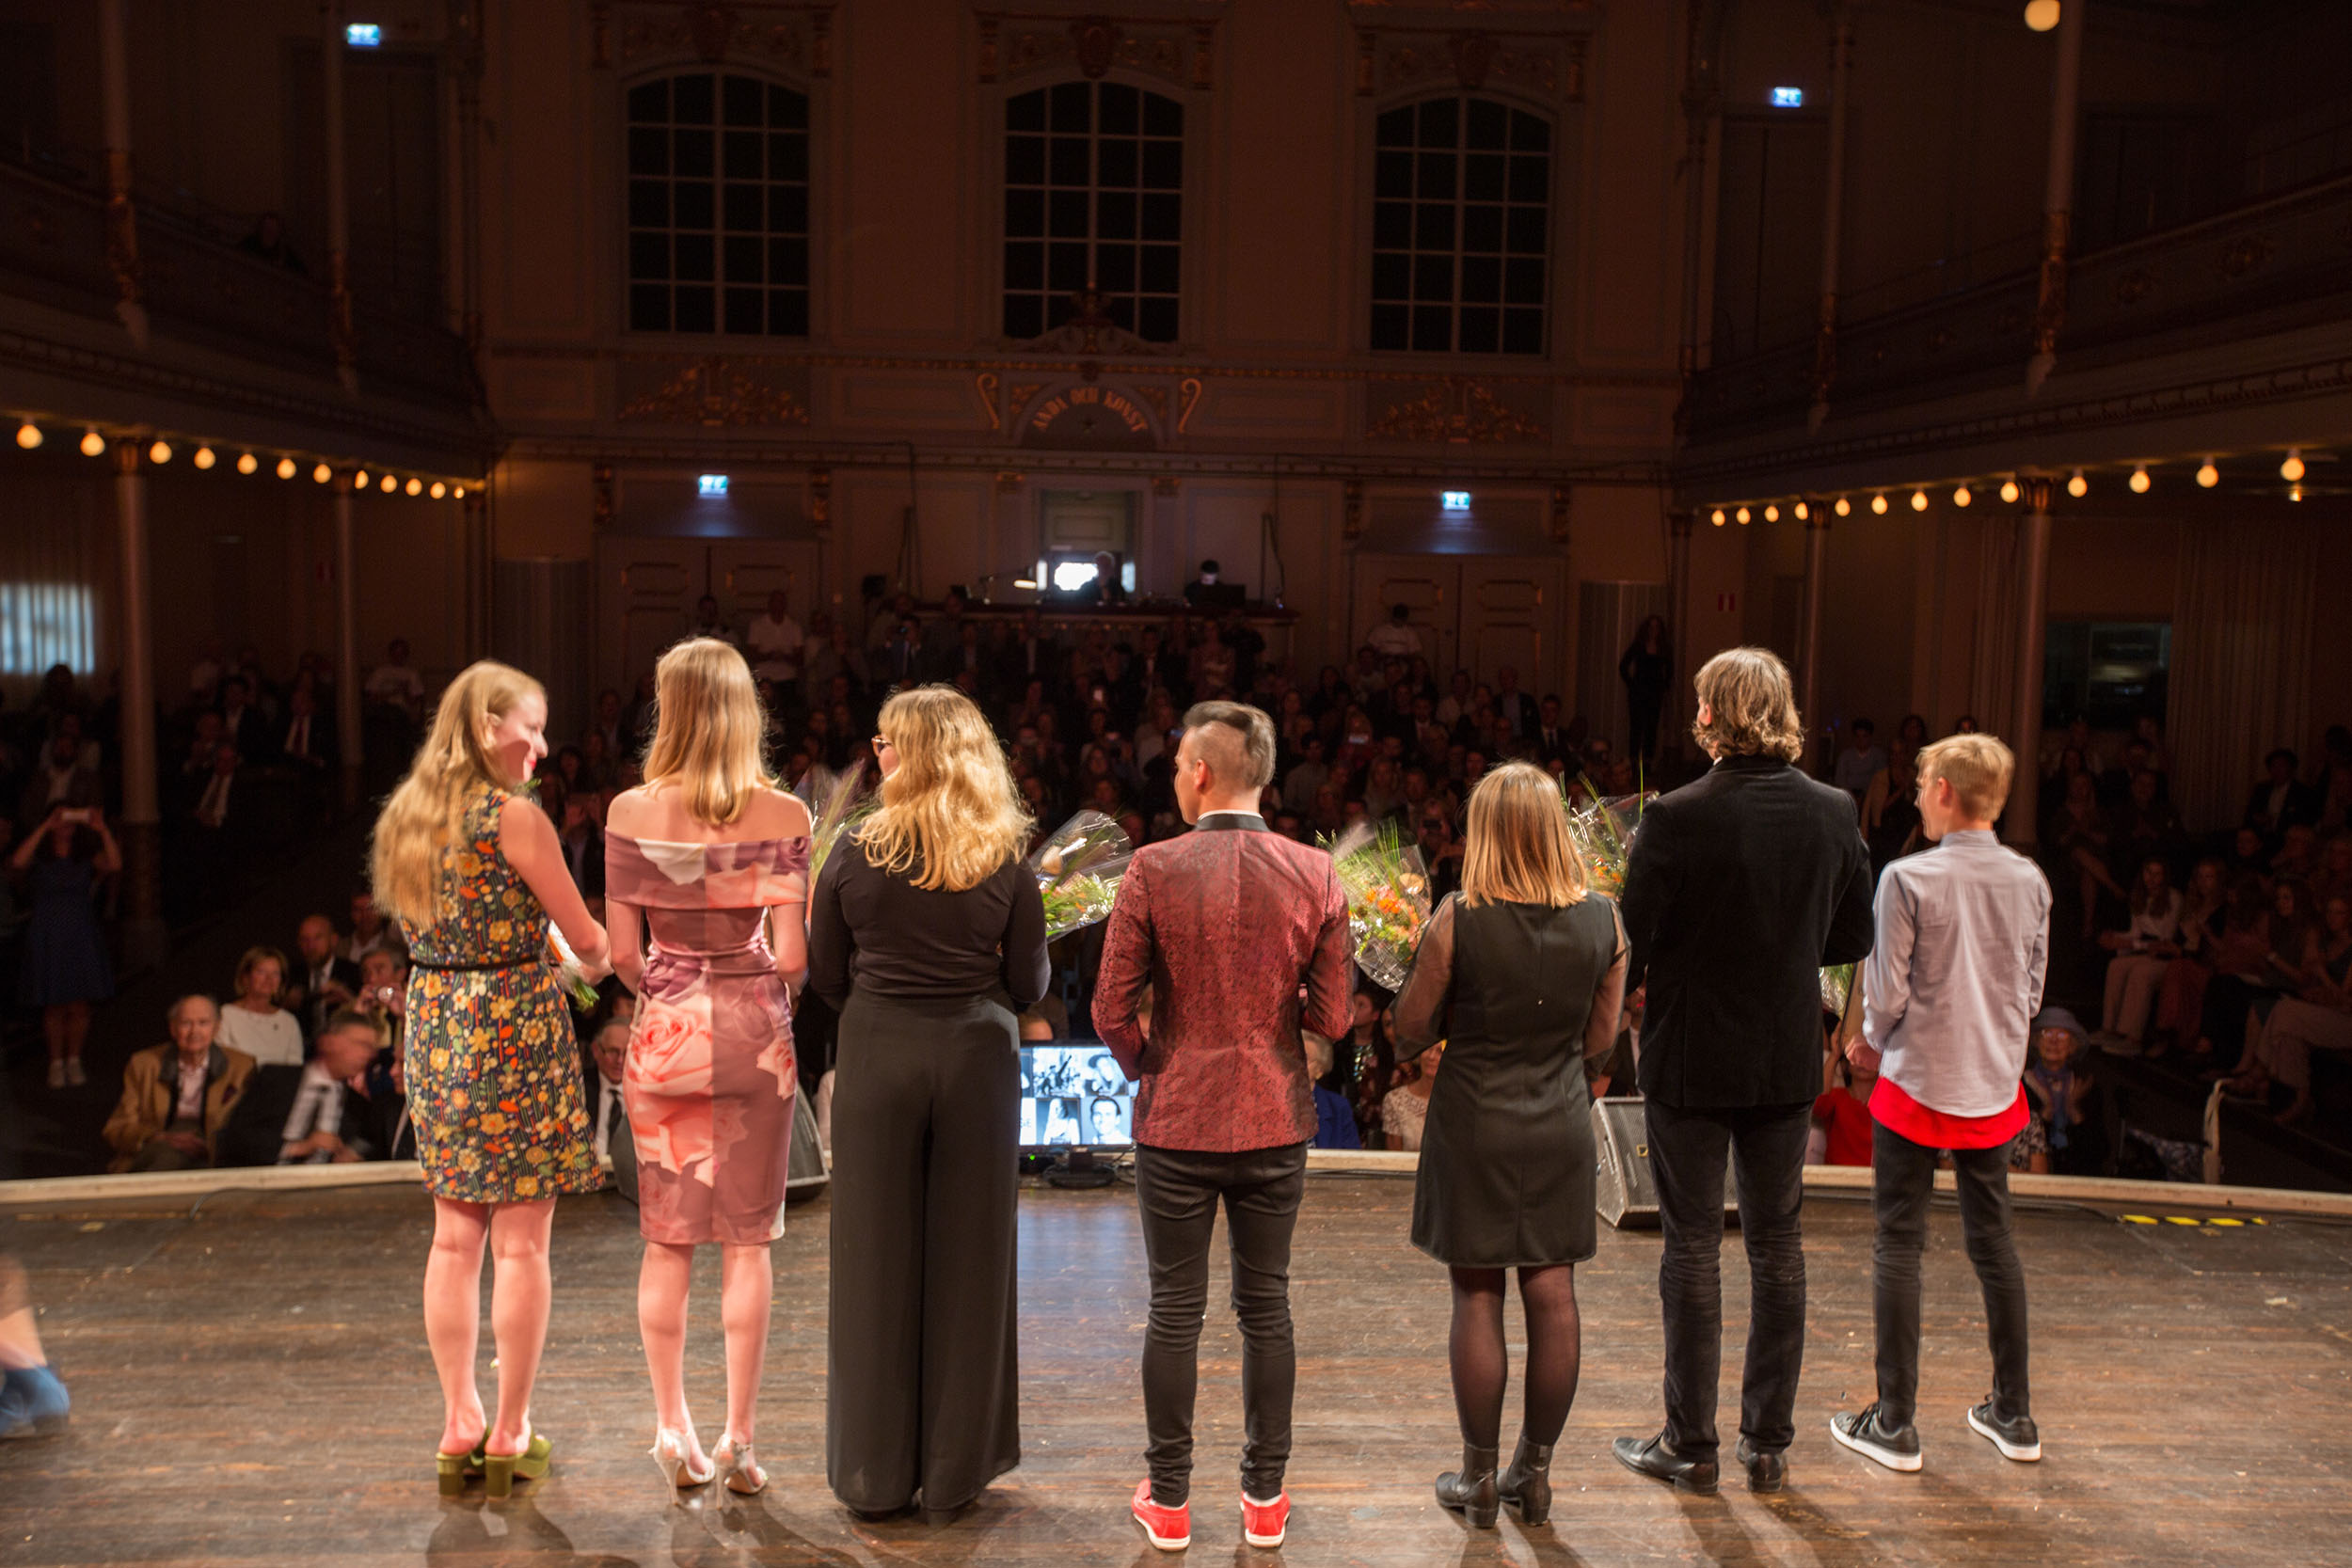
[1428, 585]
[1510, 609]
[645, 594]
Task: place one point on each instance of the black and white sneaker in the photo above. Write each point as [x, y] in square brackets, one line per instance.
[1869, 1433]
[2017, 1439]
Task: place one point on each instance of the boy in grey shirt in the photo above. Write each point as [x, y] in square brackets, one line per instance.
[1948, 999]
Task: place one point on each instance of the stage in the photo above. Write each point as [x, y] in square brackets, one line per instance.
[251, 1385]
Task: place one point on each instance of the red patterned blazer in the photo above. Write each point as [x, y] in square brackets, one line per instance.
[1225, 925]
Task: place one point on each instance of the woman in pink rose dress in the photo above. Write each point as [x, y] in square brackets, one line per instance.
[705, 885]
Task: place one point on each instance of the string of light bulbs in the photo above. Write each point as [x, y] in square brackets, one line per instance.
[30, 436]
[2078, 485]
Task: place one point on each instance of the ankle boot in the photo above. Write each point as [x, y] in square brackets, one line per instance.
[1471, 1488]
[1528, 1481]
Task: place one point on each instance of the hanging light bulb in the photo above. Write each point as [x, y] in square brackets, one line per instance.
[1771, 514]
[460, 492]
[159, 452]
[359, 479]
[1716, 516]
[2208, 476]
[1741, 516]
[2292, 469]
[203, 458]
[29, 435]
[322, 473]
[285, 467]
[1801, 511]
[92, 444]
[415, 487]
[2078, 486]
[1918, 500]
[1878, 503]
[1962, 496]
[2042, 15]
[1842, 507]
[2140, 481]
[248, 463]
[2010, 491]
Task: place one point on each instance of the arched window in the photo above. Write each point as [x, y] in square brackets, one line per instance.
[1094, 180]
[1461, 224]
[718, 206]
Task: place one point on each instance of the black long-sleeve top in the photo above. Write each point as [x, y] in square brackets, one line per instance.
[872, 931]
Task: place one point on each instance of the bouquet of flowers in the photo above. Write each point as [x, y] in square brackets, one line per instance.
[846, 802]
[1388, 899]
[1603, 830]
[570, 972]
[1078, 872]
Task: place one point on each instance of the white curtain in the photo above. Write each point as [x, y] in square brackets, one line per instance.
[2241, 659]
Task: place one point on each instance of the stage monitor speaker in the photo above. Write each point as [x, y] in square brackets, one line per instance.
[1625, 1192]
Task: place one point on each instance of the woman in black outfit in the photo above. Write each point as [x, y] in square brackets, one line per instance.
[1647, 670]
[1522, 974]
[927, 933]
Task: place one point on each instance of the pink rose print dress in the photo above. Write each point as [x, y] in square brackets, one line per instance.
[710, 1076]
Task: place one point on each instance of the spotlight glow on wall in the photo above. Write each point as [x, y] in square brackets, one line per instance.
[1771, 514]
[1962, 496]
[29, 435]
[248, 463]
[2139, 479]
[203, 458]
[159, 452]
[2078, 486]
[2292, 469]
[322, 473]
[2010, 491]
[93, 444]
[1878, 503]
[438, 490]
[2208, 476]
[1842, 507]
[285, 467]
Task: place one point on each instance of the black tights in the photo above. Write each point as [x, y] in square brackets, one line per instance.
[1482, 1370]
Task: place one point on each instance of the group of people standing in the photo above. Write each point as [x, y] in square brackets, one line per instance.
[1224, 947]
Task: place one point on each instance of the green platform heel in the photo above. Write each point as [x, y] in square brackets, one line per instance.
[453, 1469]
[499, 1471]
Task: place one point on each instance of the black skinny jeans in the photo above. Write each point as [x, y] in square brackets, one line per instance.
[1178, 1192]
[1903, 1181]
[1689, 1150]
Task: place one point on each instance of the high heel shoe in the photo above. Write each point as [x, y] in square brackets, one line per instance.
[738, 1468]
[1471, 1489]
[672, 1451]
[1526, 1484]
[452, 1468]
[499, 1471]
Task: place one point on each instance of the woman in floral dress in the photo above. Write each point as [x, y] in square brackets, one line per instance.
[706, 885]
[473, 870]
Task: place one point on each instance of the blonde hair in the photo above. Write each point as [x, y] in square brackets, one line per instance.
[1518, 848]
[426, 812]
[951, 814]
[710, 734]
[1978, 766]
[254, 958]
[1751, 707]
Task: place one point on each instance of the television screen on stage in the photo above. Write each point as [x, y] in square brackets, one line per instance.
[1074, 1096]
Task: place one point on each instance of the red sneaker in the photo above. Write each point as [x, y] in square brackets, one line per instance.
[1168, 1528]
[1265, 1523]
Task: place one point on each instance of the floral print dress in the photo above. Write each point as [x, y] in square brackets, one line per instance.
[493, 1062]
[710, 1076]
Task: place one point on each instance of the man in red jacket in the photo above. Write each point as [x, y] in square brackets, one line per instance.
[1226, 924]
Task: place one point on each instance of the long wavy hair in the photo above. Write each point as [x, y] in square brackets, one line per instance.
[951, 814]
[1516, 848]
[709, 734]
[1751, 706]
[426, 812]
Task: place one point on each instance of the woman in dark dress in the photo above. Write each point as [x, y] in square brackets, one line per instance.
[1522, 974]
[65, 948]
[927, 932]
[1647, 670]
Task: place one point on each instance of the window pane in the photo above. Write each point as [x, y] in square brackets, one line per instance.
[1527, 231]
[1437, 122]
[745, 204]
[691, 150]
[1066, 267]
[1482, 177]
[788, 262]
[1528, 178]
[787, 313]
[1121, 312]
[1068, 162]
[788, 209]
[1025, 266]
[1433, 226]
[1068, 215]
[1482, 329]
[690, 100]
[1392, 225]
[1161, 269]
[1528, 133]
[1483, 125]
[1523, 332]
[1120, 112]
[1116, 162]
[1390, 324]
[1433, 178]
[1162, 116]
[648, 151]
[1115, 216]
[1163, 166]
[742, 254]
[746, 105]
[1392, 175]
[1482, 279]
[649, 307]
[1114, 268]
[787, 155]
[1162, 217]
[650, 101]
[1024, 214]
[1024, 316]
[692, 206]
[745, 155]
[1073, 106]
[1025, 160]
[1433, 328]
[747, 310]
[1482, 228]
[1395, 128]
[1155, 321]
[648, 257]
[1026, 112]
[1392, 276]
[695, 310]
[786, 110]
[648, 203]
[1111, 160]
[688, 227]
[1433, 278]
[1523, 280]
[695, 257]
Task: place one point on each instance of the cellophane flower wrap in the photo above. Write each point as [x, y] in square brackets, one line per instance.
[1388, 899]
[570, 972]
[847, 803]
[1603, 828]
[1078, 869]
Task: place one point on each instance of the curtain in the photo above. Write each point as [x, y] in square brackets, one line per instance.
[2241, 659]
[1993, 670]
[55, 582]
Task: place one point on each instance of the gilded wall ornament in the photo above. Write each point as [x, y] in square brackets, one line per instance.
[1456, 409]
[715, 394]
[1176, 50]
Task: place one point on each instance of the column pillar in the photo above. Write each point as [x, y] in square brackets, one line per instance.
[122, 229]
[1832, 219]
[2058, 199]
[1703, 22]
[331, 47]
[347, 643]
[2033, 583]
[1670, 729]
[475, 512]
[1809, 634]
[141, 828]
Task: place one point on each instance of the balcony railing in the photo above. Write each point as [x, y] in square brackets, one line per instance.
[200, 291]
[2262, 267]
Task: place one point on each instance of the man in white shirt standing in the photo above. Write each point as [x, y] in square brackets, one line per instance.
[1395, 638]
[775, 642]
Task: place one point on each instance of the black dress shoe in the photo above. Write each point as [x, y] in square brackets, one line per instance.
[1471, 1489]
[1656, 1457]
[1768, 1469]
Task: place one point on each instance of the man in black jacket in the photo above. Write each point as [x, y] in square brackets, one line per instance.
[1738, 888]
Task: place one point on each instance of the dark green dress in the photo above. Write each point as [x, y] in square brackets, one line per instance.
[493, 1064]
[1506, 1155]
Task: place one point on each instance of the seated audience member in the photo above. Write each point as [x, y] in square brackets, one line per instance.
[2147, 824]
[2204, 914]
[369, 930]
[2249, 856]
[1860, 762]
[384, 997]
[2143, 950]
[2062, 1090]
[2266, 961]
[2319, 1017]
[1335, 1121]
[1842, 1127]
[394, 683]
[176, 1096]
[328, 1121]
[2334, 876]
[2279, 799]
[253, 1021]
[2081, 837]
[616, 1150]
[2298, 854]
[1404, 1108]
[1890, 808]
[324, 981]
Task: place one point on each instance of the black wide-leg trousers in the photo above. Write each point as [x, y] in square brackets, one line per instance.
[921, 1392]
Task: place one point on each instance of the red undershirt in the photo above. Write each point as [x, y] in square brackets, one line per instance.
[1930, 1128]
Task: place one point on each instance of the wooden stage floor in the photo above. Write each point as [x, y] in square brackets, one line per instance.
[251, 1385]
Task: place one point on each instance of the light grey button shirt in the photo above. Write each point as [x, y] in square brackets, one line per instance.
[1950, 991]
